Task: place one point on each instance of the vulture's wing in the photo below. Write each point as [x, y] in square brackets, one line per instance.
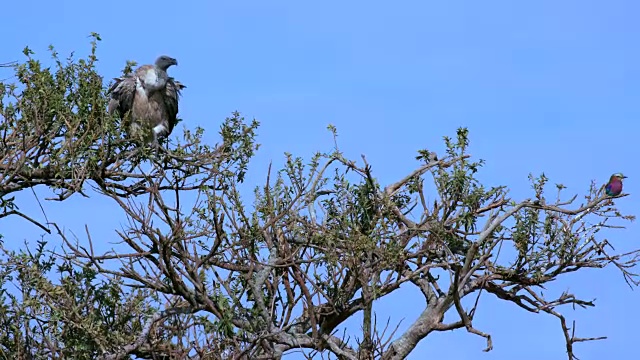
[171, 97]
[122, 93]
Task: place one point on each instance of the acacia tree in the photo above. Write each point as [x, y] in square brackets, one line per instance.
[207, 274]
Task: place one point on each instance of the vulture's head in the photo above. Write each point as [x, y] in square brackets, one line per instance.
[164, 61]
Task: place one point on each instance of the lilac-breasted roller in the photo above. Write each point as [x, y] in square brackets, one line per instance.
[614, 186]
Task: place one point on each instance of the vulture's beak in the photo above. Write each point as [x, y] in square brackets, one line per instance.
[174, 61]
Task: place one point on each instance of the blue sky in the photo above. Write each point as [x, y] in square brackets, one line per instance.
[543, 86]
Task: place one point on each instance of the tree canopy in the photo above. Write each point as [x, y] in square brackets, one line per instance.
[206, 271]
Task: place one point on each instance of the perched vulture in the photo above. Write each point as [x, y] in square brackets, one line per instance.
[147, 100]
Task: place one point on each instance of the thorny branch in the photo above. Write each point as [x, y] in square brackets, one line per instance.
[300, 295]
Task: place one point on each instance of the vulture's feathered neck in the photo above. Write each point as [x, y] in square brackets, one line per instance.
[164, 62]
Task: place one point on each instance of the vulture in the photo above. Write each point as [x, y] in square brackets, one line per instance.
[146, 100]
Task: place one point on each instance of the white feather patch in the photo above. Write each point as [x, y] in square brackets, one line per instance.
[159, 128]
[140, 89]
[151, 78]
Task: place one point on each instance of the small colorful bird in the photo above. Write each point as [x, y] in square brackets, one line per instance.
[614, 186]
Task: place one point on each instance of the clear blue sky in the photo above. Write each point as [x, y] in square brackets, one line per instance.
[542, 85]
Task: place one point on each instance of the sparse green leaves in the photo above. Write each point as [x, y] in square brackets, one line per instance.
[55, 128]
[239, 143]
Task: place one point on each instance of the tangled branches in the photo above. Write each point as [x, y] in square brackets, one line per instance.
[203, 274]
